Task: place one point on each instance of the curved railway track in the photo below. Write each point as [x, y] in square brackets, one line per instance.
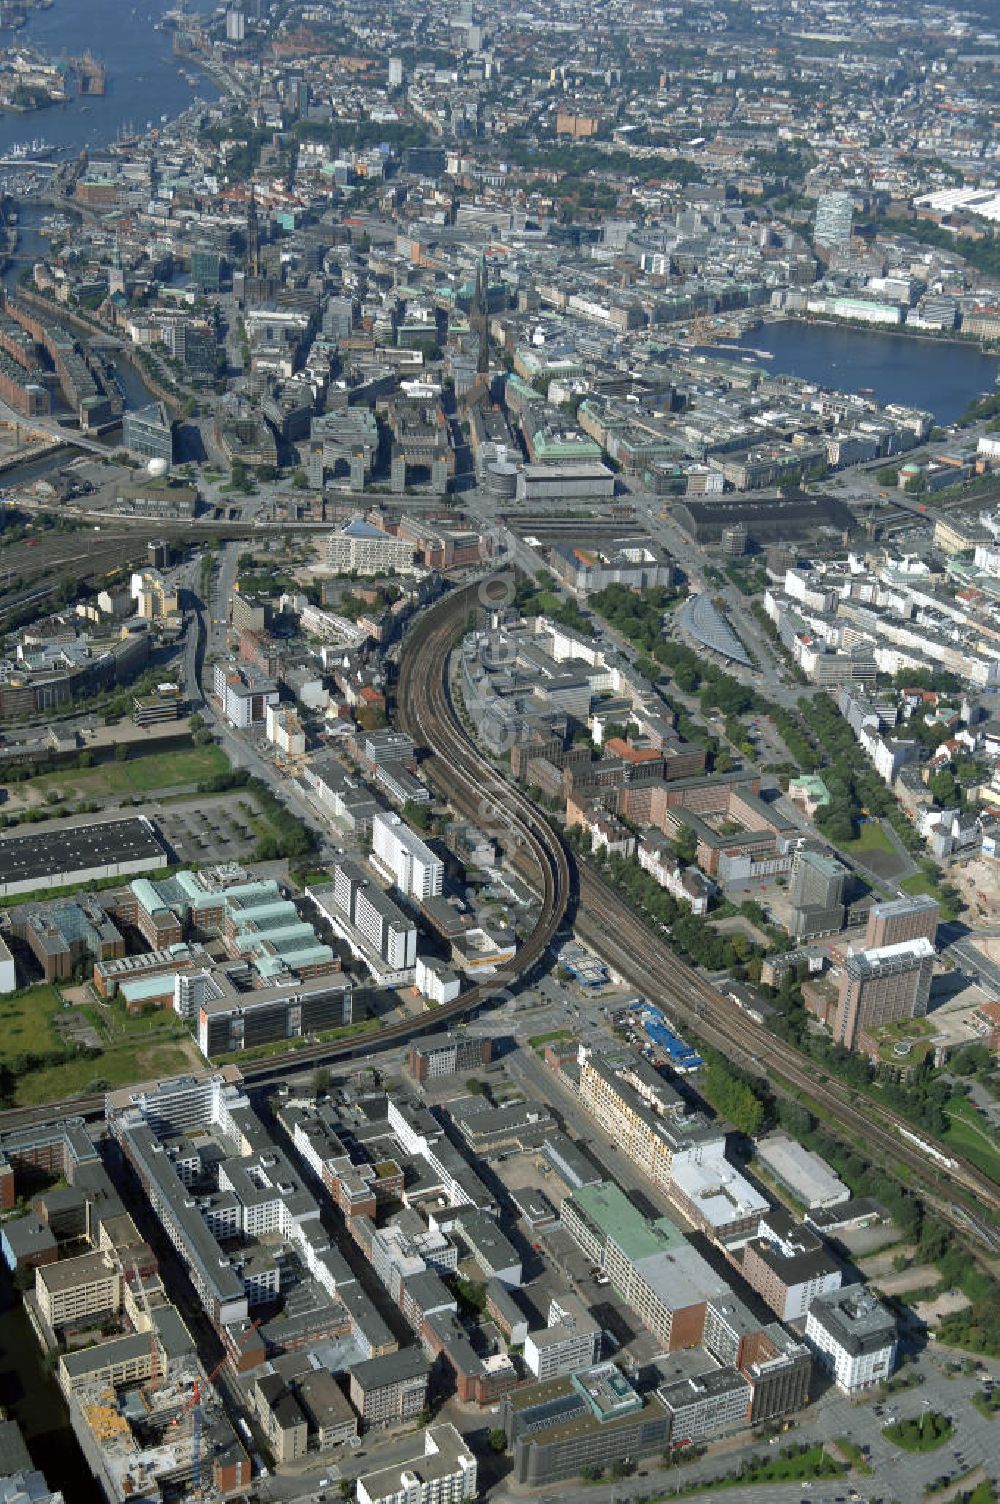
[960, 1193]
[469, 783]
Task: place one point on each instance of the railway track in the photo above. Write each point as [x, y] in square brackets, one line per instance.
[465, 778]
[471, 785]
[653, 968]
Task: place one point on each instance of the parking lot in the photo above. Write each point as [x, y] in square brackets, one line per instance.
[206, 831]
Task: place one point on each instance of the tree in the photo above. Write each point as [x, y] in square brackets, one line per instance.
[121, 752]
[321, 1080]
[497, 1439]
[299, 479]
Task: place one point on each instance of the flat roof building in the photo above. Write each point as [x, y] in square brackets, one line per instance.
[79, 854]
[854, 1336]
[802, 1172]
[445, 1472]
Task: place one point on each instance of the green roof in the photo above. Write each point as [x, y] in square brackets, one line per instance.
[610, 1209]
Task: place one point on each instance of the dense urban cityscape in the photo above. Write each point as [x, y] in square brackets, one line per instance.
[499, 752]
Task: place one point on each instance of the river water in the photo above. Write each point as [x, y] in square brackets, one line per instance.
[941, 376]
[144, 79]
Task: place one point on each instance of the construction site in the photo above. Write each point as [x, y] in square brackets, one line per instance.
[165, 1439]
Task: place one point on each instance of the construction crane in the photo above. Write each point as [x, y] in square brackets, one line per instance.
[194, 1405]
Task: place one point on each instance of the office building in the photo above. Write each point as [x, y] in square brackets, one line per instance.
[883, 986]
[901, 920]
[149, 432]
[437, 1055]
[76, 1289]
[8, 971]
[390, 1389]
[445, 1472]
[557, 1428]
[854, 1337]
[834, 219]
[400, 852]
[656, 1271]
[395, 72]
[707, 1405]
[571, 1340]
[817, 894]
[789, 1266]
[244, 693]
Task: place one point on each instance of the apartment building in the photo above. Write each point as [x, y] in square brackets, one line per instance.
[375, 928]
[646, 1118]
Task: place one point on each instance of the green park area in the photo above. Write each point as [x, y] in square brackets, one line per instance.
[43, 1057]
[145, 774]
[871, 839]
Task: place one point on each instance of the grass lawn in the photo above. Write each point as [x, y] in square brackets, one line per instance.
[538, 1041]
[139, 775]
[870, 837]
[792, 1465]
[920, 882]
[973, 1142]
[136, 1048]
[854, 1455]
[118, 1066]
[26, 1022]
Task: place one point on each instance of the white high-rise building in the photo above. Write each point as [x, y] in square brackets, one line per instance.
[405, 858]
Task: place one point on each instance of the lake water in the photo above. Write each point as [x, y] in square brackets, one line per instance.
[144, 79]
[939, 376]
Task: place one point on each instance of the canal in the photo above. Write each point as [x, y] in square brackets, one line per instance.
[145, 84]
[31, 1397]
[941, 376]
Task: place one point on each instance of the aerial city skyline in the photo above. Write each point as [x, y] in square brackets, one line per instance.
[499, 752]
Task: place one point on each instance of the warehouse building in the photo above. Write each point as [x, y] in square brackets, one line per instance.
[80, 854]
